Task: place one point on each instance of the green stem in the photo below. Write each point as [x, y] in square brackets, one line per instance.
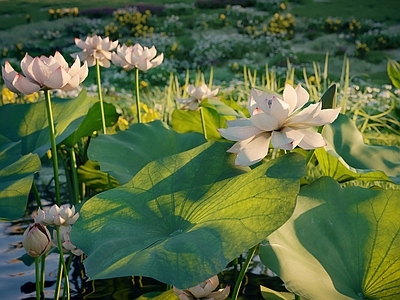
[69, 261]
[58, 281]
[42, 274]
[296, 297]
[36, 195]
[203, 123]
[75, 181]
[37, 276]
[243, 271]
[139, 116]
[54, 156]
[99, 90]
[64, 267]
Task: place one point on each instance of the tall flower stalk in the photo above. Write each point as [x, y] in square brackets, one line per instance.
[139, 58]
[100, 93]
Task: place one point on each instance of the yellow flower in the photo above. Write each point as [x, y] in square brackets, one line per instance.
[122, 123]
[31, 97]
[7, 96]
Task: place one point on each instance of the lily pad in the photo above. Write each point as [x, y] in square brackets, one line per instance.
[16, 176]
[340, 243]
[183, 218]
[28, 122]
[123, 154]
[346, 141]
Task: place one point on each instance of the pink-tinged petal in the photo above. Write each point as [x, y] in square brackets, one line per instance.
[311, 140]
[38, 71]
[75, 67]
[144, 65]
[119, 61]
[83, 72]
[290, 97]
[238, 146]
[193, 105]
[213, 93]
[264, 122]
[325, 116]
[286, 139]
[58, 79]
[190, 89]
[158, 60]
[25, 63]
[72, 84]
[90, 61]
[61, 60]
[113, 45]
[96, 42]
[105, 63]
[277, 109]
[304, 118]
[9, 74]
[240, 122]
[239, 133]
[24, 85]
[255, 150]
[251, 103]
[81, 44]
[302, 96]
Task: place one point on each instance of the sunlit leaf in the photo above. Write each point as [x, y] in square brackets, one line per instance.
[123, 154]
[183, 218]
[334, 166]
[94, 178]
[16, 176]
[346, 141]
[168, 295]
[93, 122]
[340, 243]
[393, 70]
[28, 122]
[269, 294]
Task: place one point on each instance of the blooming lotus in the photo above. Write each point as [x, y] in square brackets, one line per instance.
[203, 291]
[197, 94]
[277, 121]
[95, 48]
[63, 215]
[44, 73]
[65, 232]
[36, 240]
[136, 56]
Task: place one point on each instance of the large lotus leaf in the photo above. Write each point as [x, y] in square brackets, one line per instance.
[123, 154]
[346, 141]
[28, 122]
[16, 175]
[94, 178]
[340, 243]
[334, 166]
[168, 295]
[182, 218]
[190, 121]
[93, 122]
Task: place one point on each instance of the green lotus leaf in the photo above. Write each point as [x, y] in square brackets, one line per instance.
[16, 176]
[123, 154]
[184, 121]
[93, 122]
[28, 122]
[183, 218]
[269, 294]
[345, 141]
[168, 295]
[334, 166]
[340, 243]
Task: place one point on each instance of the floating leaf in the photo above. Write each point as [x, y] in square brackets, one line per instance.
[347, 142]
[28, 122]
[340, 243]
[123, 154]
[16, 176]
[182, 218]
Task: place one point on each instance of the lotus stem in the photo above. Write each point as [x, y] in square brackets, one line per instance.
[203, 123]
[58, 281]
[37, 277]
[139, 116]
[75, 181]
[36, 195]
[42, 274]
[243, 271]
[100, 93]
[54, 156]
[64, 269]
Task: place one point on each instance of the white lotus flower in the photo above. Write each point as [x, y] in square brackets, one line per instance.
[136, 56]
[36, 240]
[65, 232]
[95, 48]
[203, 291]
[44, 73]
[197, 94]
[277, 121]
[63, 215]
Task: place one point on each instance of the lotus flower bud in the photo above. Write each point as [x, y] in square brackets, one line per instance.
[36, 240]
[203, 291]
